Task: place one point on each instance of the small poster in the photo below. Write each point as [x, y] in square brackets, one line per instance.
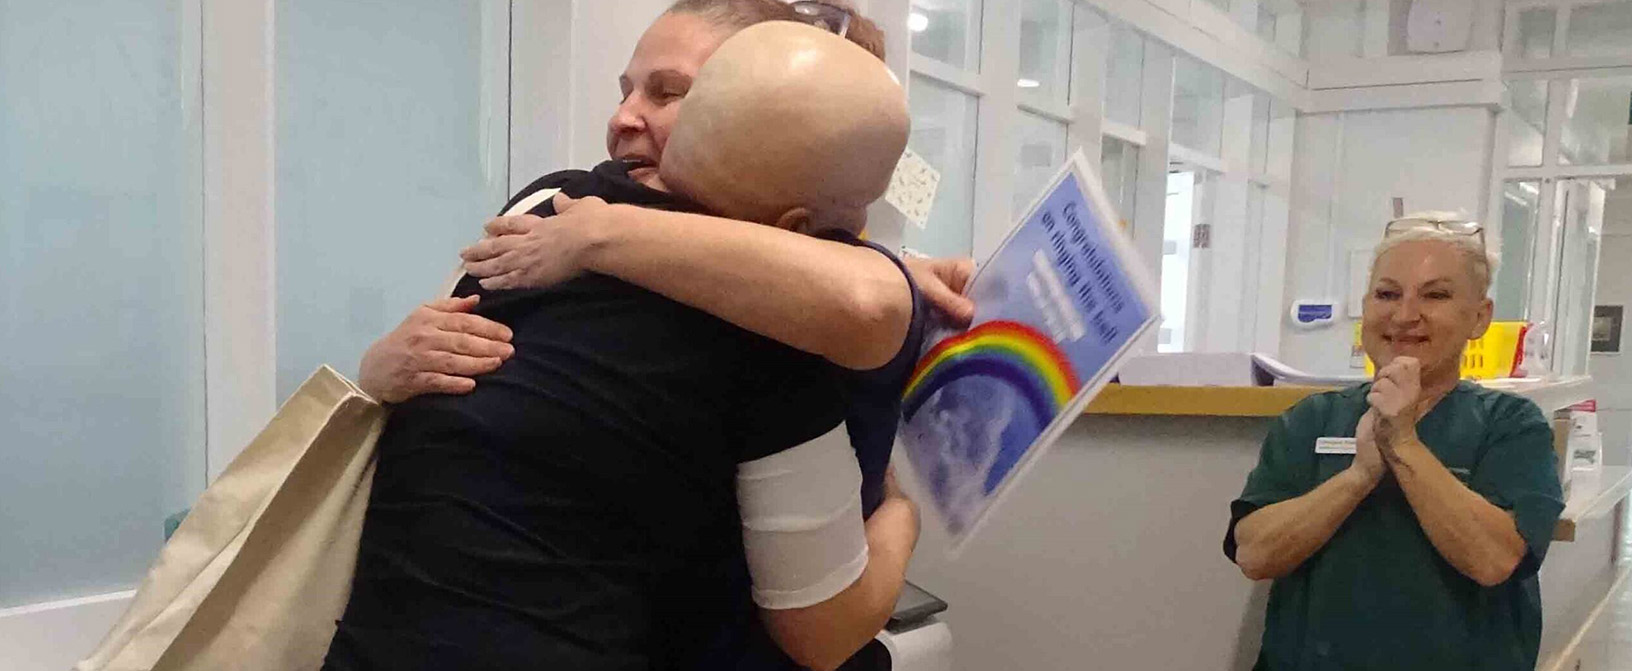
[1057, 308]
[913, 187]
[1606, 328]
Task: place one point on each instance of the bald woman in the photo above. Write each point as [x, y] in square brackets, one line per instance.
[642, 484]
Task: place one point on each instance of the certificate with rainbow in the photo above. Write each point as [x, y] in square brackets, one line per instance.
[1057, 307]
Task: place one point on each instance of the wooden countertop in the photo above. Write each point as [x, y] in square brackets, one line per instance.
[1594, 500]
[1120, 399]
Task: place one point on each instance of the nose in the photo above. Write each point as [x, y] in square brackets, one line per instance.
[629, 119]
[1409, 310]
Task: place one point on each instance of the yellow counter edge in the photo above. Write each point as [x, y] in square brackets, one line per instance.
[1120, 399]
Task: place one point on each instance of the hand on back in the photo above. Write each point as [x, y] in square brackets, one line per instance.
[439, 349]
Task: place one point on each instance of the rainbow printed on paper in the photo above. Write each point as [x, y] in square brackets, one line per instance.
[1010, 351]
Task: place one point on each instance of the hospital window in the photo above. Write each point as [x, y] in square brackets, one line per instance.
[1043, 90]
[1124, 76]
[1526, 121]
[102, 425]
[407, 119]
[1119, 168]
[1568, 148]
[1075, 79]
[1597, 114]
[947, 31]
[1581, 207]
[1045, 52]
[944, 94]
[944, 123]
[1519, 212]
[1198, 106]
[1535, 32]
[1600, 29]
[1041, 151]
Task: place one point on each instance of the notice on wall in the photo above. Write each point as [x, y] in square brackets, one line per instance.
[912, 190]
[1058, 306]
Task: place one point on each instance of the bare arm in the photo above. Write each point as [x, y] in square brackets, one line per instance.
[1274, 540]
[849, 304]
[824, 635]
[1479, 539]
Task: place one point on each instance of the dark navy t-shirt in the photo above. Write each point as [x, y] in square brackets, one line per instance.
[577, 510]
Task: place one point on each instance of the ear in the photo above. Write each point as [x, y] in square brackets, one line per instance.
[796, 220]
[1486, 310]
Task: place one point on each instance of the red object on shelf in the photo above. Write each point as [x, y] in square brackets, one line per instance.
[1518, 353]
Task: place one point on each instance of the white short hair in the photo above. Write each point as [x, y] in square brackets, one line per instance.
[1481, 263]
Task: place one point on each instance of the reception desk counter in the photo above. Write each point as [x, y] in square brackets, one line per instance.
[1109, 555]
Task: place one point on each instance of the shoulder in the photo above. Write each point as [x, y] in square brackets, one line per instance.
[1504, 412]
[894, 373]
[555, 180]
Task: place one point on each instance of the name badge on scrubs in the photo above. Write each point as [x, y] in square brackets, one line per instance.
[1333, 445]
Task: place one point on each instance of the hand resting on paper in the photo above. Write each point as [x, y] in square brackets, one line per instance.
[942, 283]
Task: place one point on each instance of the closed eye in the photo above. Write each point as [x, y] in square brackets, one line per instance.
[664, 95]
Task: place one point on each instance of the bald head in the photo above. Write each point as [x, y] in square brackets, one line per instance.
[790, 125]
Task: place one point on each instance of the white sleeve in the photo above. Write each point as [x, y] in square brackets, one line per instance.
[801, 522]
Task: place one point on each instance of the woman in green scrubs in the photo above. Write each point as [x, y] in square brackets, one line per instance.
[1403, 520]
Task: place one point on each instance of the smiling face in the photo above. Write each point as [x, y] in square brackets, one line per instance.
[657, 79]
[1424, 303]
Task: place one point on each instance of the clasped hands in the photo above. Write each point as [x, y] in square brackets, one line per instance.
[1397, 404]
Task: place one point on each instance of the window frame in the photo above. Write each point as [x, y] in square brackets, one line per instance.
[1546, 269]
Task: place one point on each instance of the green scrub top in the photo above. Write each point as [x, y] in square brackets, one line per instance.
[1378, 595]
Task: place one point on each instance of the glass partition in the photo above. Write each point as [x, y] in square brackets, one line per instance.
[1124, 76]
[943, 133]
[1536, 28]
[1600, 29]
[1521, 207]
[1198, 105]
[1045, 51]
[947, 31]
[1040, 152]
[101, 291]
[1526, 121]
[1581, 204]
[383, 169]
[1119, 169]
[1597, 115]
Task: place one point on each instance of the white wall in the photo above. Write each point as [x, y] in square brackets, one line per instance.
[1612, 373]
[1433, 158]
[1110, 556]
